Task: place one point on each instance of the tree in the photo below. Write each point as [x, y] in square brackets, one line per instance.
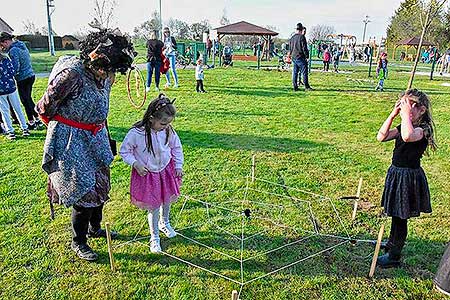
[197, 29]
[30, 28]
[103, 14]
[320, 32]
[224, 19]
[179, 29]
[144, 30]
[432, 9]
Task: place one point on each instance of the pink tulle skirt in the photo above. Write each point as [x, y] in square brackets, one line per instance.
[152, 190]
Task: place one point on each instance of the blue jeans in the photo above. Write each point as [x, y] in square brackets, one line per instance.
[300, 66]
[171, 58]
[153, 65]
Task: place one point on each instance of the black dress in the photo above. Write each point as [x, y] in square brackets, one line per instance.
[406, 192]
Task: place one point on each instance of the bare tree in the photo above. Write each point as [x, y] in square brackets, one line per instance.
[144, 30]
[178, 28]
[224, 19]
[30, 28]
[197, 29]
[320, 32]
[432, 9]
[103, 13]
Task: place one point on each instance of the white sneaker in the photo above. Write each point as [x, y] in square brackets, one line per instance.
[176, 85]
[156, 89]
[167, 85]
[167, 230]
[147, 89]
[155, 246]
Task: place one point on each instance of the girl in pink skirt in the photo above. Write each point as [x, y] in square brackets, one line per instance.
[154, 150]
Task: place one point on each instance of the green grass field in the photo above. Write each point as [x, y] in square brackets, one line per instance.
[321, 141]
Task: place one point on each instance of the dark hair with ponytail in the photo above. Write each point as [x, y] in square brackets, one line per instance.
[426, 120]
[160, 108]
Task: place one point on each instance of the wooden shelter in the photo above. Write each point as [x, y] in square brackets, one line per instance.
[410, 42]
[245, 28]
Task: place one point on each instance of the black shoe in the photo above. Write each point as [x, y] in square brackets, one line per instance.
[101, 233]
[32, 126]
[296, 89]
[385, 261]
[309, 88]
[83, 251]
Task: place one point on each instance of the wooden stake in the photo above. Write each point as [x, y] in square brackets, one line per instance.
[110, 250]
[377, 251]
[234, 295]
[253, 167]
[358, 193]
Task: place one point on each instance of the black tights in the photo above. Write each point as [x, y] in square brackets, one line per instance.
[200, 86]
[397, 237]
[84, 219]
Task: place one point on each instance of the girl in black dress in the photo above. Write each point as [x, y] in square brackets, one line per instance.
[406, 192]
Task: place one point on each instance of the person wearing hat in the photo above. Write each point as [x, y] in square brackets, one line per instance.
[299, 53]
[24, 75]
[77, 150]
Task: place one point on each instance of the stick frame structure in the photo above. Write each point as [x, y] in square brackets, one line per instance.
[110, 250]
[377, 251]
[358, 193]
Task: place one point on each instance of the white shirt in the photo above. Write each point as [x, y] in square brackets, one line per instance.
[199, 72]
[134, 148]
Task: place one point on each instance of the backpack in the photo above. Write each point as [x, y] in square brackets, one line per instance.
[165, 66]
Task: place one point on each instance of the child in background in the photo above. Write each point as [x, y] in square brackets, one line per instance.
[9, 96]
[199, 76]
[406, 192]
[382, 71]
[336, 59]
[326, 60]
[154, 151]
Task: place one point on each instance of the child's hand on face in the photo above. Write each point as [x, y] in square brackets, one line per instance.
[396, 109]
[405, 107]
[142, 170]
[179, 173]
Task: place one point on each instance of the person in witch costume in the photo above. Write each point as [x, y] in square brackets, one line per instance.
[77, 152]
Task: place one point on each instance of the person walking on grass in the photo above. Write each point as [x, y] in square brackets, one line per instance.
[199, 76]
[170, 49]
[299, 53]
[382, 71]
[153, 149]
[9, 97]
[24, 75]
[406, 193]
[326, 60]
[77, 150]
[154, 60]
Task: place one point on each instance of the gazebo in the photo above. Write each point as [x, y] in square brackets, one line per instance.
[410, 42]
[245, 28]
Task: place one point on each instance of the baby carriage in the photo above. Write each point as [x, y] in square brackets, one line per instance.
[227, 56]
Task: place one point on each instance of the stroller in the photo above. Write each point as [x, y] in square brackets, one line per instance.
[227, 56]
[284, 61]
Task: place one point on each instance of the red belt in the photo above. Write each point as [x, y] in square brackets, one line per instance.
[94, 128]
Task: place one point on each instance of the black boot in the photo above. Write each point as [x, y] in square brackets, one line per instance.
[101, 233]
[83, 251]
[387, 261]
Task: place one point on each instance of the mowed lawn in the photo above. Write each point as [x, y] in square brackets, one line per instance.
[321, 141]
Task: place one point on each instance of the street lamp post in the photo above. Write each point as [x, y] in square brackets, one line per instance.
[365, 21]
[160, 21]
[51, 44]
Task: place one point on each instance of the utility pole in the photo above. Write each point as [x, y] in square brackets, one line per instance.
[160, 22]
[365, 21]
[51, 44]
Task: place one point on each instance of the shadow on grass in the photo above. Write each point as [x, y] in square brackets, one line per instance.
[198, 139]
[311, 258]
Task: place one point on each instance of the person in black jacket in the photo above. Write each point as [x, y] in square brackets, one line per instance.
[154, 61]
[299, 53]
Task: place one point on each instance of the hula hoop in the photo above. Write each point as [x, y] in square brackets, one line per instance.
[139, 82]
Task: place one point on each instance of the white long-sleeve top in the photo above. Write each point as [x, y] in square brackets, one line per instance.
[134, 148]
[199, 73]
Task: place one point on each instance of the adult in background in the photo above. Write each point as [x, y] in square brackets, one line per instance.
[77, 151]
[170, 49]
[24, 75]
[154, 61]
[299, 53]
[209, 45]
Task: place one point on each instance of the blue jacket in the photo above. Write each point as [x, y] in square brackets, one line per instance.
[21, 60]
[7, 83]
